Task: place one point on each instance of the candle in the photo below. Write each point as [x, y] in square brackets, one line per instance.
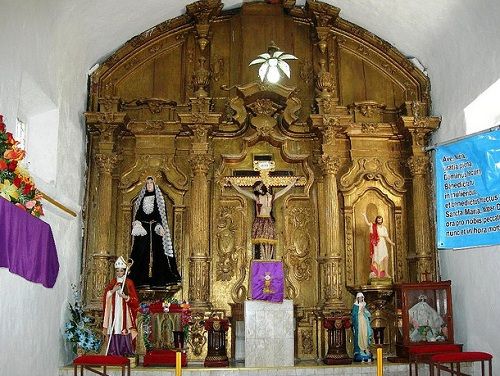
[380, 369]
[178, 368]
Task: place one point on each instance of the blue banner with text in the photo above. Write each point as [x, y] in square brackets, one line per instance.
[468, 192]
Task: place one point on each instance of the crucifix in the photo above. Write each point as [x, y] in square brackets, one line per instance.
[263, 177]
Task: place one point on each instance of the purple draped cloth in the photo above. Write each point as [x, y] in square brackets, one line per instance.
[27, 246]
[267, 281]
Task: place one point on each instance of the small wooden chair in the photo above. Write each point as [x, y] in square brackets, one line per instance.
[90, 362]
[440, 361]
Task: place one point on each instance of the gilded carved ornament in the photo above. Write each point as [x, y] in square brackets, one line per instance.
[290, 113]
[264, 120]
[369, 108]
[217, 68]
[155, 124]
[419, 128]
[332, 129]
[197, 337]
[131, 63]
[239, 112]
[198, 280]
[108, 88]
[330, 278]
[107, 162]
[418, 109]
[290, 290]
[106, 125]
[323, 16]
[299, 252]
[307, 341]
[425, 268]
[264, 107]
[389, 68]
[284, 103]
[199, 128]
[201, 78]
[239, 290]
[325, 81]
[201, 107]
[155, 48]
[330, 165]
[226, 248]
[204, 11]
[356, 30]
[306, 72]
[372, 169]
[154, 105]
[400, 272]
[420, 136]
[369, 127]
[154, 165]
[200, 163]
[99, 276]
[419, 165]
[109, 104]
[349, 248]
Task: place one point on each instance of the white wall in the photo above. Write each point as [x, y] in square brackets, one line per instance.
[32, 315]
[463, 63]
[55, 42]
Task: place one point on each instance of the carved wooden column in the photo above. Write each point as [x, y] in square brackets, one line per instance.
[199, 278]
[424, 249]
[331, 261]
[106, 125]
[332, 255]
[323, 17]
[201, 122]
[420, 129]
[203, 13]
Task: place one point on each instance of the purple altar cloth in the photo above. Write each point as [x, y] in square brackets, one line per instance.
[27, 246]
[267, 281]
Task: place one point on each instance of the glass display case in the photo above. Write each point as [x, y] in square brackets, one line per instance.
[424, 315]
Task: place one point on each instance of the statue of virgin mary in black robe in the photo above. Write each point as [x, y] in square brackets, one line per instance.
[152, 251]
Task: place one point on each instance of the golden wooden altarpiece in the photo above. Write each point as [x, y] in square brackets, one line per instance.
[180, 103]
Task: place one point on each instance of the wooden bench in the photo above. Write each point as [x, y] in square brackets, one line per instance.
[90, 362]
[421, 354]
[440, 361]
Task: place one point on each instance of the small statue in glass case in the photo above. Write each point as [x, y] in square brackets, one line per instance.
[425, 323]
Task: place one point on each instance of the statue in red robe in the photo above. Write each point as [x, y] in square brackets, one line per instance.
[120, 303]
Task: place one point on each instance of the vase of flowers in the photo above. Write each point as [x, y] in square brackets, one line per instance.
[79, 330]
[16, 184]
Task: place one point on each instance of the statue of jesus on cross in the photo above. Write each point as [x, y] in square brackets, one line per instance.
[263, 228]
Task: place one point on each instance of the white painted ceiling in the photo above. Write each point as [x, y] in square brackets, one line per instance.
[417, 28]
[58, 40]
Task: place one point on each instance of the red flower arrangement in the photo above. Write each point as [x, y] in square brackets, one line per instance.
[16, 185]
